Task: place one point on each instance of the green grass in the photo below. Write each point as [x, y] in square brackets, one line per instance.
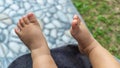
[102, 19]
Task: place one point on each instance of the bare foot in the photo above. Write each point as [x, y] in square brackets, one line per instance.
[80, 32]
[30, 33]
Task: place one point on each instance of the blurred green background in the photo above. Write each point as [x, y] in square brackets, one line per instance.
[103, 20]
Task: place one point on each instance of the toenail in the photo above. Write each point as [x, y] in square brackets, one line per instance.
[24, 16]
[31, 14]
[75, 16]
[75, 21]
[17, 29]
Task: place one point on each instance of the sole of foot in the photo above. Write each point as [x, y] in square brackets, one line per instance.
[81, 33]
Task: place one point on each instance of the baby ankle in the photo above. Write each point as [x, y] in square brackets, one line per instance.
[90, 48]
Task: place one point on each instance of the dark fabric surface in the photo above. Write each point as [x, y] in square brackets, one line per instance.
[65, 57]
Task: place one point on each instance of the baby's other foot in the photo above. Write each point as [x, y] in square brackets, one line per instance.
[80, 32]
[29, 31]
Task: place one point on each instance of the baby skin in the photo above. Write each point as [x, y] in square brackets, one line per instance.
[89, 46]
[29, 31]
[81, 34]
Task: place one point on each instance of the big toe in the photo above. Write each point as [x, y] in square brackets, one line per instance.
[17, 31]
[32, 18]
[74, 24]
[76, 17]
[75, 29]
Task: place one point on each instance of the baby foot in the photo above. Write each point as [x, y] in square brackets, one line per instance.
[80, 32]
[29, 31]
